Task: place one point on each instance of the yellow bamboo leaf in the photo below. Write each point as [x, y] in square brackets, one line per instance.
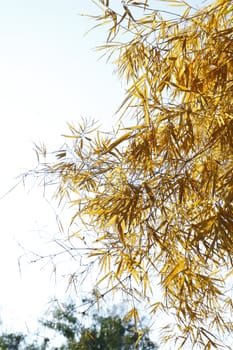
[145, 282]
[174, 272]
[135, 127]
[112, 220]
[109, 274]
[155, 307]
[121, 233]
[119, 141]
[102, 238]
[229, 274]
[186, 12]
[119, 268]
[97, 253]
[180, 87]
[132, 314]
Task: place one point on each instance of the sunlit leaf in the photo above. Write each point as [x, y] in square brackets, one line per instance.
[153, 199]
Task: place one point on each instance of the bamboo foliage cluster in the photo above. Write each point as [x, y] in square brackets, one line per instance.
[158, 195]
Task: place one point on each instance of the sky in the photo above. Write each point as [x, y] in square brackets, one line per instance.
[49, 75]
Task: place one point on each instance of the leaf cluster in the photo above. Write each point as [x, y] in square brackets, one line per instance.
[158, 195]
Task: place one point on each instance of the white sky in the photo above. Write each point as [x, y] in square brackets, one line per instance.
[49, 75]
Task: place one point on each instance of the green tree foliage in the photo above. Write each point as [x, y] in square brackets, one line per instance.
[11, 341]
[108, 333]
[19, 341]
[111, 333]
[65, 322]
[157, 196]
